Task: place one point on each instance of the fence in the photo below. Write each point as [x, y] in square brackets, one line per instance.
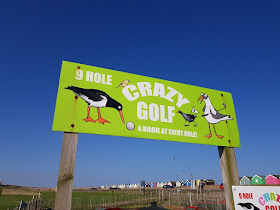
[214, 200]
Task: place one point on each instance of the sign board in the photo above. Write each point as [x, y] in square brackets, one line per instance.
[101, 101]
[256, 197]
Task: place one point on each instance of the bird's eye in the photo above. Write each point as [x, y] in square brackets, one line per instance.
[119, 107]
[202, 94]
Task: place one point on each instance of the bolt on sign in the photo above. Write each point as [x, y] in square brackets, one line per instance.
[102, 101]
[256, 197]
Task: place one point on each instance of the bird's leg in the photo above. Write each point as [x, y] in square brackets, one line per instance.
[89, 119]
[220, 137]
[100, 119]
[195, 124]
[188, 124]
[210, 135]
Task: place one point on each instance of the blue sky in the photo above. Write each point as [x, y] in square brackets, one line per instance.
[229, 46]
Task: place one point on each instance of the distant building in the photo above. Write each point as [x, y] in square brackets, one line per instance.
[122, 186]
[160, 184]
[188, 183]
[246, 180]
[183, 183]
[209, 181]
[258, 180]
[272, 179]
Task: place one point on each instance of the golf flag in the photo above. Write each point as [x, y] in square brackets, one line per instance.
[194, 111]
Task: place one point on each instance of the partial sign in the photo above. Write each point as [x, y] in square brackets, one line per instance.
[256, 197]
[102, 101]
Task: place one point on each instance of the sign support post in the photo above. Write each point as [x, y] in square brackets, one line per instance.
[229, 173]
[63, 197]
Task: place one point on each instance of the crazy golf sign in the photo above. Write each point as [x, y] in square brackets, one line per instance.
[101, 101]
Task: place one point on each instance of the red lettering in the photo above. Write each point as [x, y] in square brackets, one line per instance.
[246, 195]
[272, 207]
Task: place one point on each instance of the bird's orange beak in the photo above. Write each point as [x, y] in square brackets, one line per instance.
[200, 98]
[121, 116]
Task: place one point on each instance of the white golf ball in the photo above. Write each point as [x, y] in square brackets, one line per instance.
[130, 126]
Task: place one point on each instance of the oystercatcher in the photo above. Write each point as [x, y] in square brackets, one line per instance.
[98, 99]
[211, 114]
[248, 206]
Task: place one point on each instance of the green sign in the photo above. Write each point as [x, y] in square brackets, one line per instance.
[102, 101]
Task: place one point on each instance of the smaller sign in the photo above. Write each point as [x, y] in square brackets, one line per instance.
[256, 197]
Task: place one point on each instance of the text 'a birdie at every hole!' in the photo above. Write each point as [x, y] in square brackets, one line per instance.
[102, 101]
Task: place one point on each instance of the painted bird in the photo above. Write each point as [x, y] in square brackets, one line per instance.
[211, 114]
[98, 99]
[248, 206]
[188, 117]
[124, 83]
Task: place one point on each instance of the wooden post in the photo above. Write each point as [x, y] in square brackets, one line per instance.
[169, 198]
[65, 180]
[229, 173]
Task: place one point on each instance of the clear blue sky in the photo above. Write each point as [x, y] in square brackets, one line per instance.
[230, 46]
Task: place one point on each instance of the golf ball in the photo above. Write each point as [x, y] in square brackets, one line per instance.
[130, 126]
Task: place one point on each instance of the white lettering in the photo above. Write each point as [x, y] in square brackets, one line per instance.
[103, 79]
[145, 88]
[89, 77]
[97, 77]
[162, 114]
[171, 93]
[154, 112]
[128, 94]
[142, 114]
[171, 114]
[181, 100]
[159, 90]
[109, 79]
[79, 74]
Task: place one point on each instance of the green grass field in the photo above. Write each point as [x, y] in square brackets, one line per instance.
[79, 199]
[11, 201]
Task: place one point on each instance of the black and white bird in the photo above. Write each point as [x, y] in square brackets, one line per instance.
[211, 114]
[189, 117]
[98, 99]
[248, 206]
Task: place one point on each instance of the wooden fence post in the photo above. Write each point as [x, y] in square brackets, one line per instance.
[229, 173]
[63, 199]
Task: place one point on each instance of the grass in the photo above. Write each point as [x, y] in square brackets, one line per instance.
[11, 201]
[78, 199]
[92, 199]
